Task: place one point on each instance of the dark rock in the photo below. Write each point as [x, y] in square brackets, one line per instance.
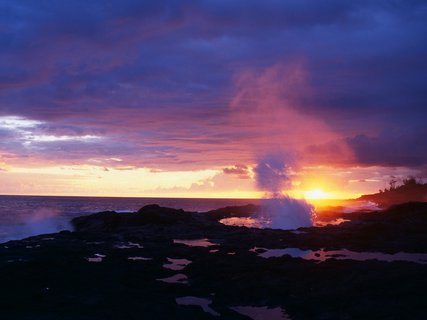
[53, 279]
[409, 192]
[101, 221]
[113, 221]
[155, 214]
[234, 211]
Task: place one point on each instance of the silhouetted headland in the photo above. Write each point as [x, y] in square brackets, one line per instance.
[410, 190]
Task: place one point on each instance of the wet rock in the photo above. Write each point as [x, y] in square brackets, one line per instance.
[54, 279]
[234, 211]
[150, 214]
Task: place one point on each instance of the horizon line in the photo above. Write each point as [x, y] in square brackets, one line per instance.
[165, 197]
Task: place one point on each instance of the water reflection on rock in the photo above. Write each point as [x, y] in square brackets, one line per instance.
[249, 222]
[177, 278]
[262, 313]
[343, 254]
[195, 301]
[176, 264]
[139, 258]
[196, 243]
[129, 245]
[98, 258]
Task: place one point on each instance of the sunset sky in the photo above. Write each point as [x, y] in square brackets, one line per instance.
[183, 98]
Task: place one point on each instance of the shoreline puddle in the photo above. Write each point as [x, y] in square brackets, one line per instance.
[98, 258]
[176, 264]
[139, 258]
[343, 254]
[177, 278]
[261, 313]
[196, 243]
[334, 222]
[195, 301]
[129, 245]
[248, 222]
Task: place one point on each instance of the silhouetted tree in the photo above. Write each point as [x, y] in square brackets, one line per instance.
[410, 181]
[392, 183]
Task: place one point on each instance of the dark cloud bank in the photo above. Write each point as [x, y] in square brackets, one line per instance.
[155, 79]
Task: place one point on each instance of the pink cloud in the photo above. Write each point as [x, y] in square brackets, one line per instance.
[268, 103]
[240, 170]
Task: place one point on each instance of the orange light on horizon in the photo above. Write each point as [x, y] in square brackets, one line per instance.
[320, 198]
[316, 194]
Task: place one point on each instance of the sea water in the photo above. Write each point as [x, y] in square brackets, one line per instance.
[24, 216]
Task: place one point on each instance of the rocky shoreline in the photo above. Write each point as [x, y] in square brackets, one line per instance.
[140, 266]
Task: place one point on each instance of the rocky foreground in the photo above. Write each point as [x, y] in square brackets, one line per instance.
[139, 266]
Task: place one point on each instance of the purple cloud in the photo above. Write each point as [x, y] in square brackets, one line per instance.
[154, 81]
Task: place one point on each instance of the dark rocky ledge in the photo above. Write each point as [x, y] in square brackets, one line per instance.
[150, 214]
[51, 277]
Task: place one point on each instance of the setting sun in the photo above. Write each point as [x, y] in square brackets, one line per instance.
[315, 194]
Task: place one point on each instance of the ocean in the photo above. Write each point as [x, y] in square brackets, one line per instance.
[24, 216]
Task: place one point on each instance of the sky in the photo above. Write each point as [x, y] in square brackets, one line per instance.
[183, 98]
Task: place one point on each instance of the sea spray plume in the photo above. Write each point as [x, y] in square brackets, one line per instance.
[45, 220]
[272, 175]
[287, 213]
[27, 223]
